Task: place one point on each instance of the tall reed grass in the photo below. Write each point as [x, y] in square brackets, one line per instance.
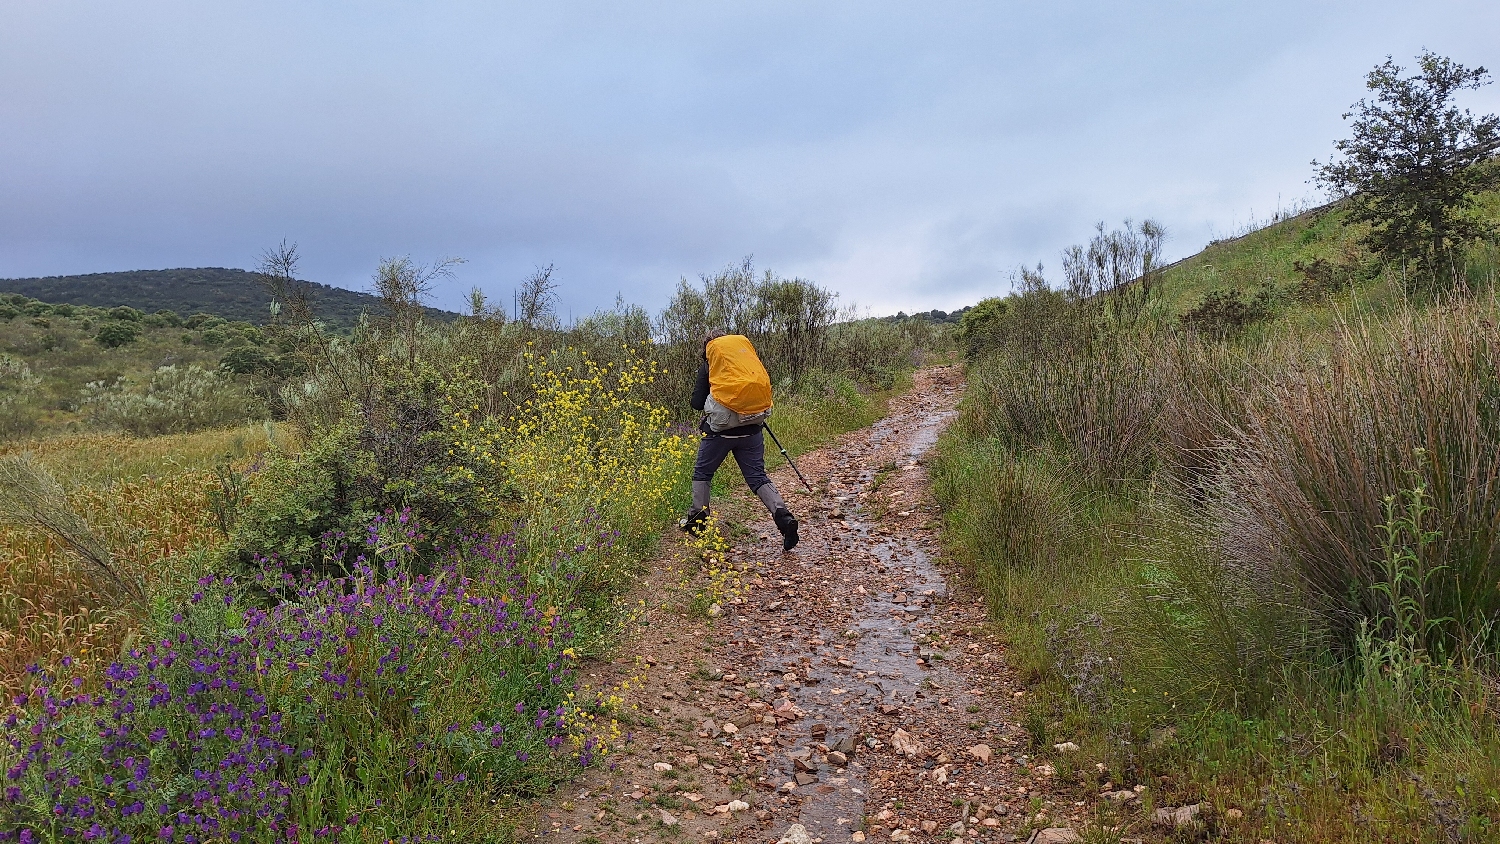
[1414, 400]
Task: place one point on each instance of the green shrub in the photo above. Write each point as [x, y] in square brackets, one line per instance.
[248, 360]
[114, 334]
[19, 408]
[127, 313]
[1224, 312]
[175, 400]
[8, 312]
[980, 326]
[378, 433]
[296, 499]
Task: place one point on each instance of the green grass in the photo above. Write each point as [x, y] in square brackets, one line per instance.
[1320, 757]
[827, 408]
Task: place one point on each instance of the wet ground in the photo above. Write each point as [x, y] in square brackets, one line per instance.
[852, 690]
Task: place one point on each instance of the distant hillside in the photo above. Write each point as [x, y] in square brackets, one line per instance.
[228, 293]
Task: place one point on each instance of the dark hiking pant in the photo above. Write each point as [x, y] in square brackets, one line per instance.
[749, 452]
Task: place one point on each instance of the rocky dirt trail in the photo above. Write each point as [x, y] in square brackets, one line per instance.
[850, 693]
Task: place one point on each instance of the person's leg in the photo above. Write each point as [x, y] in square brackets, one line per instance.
[711, 452]
[750, 454]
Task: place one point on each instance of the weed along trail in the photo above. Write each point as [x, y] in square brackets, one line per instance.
[848, 693]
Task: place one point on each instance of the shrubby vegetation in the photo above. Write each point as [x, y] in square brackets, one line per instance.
[175, 400]
[110, 369]
[797, 325]
[361, 621]
[231, 294]
[1238, 515]
[18, 385]
[1246, 543]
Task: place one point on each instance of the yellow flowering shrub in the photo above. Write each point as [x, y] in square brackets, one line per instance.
[587, 465]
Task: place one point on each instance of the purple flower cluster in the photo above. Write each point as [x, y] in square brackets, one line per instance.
[180, 744]
[234, 723]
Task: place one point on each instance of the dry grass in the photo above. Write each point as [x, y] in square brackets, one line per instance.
[148, 500]
[100, 459]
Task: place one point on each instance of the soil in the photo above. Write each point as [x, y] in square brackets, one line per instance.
[852, 688]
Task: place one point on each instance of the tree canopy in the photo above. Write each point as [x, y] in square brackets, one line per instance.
[1415, 163]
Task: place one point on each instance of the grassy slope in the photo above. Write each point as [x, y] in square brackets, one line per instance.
[1268, 257]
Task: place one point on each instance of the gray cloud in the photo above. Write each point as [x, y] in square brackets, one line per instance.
[907, 156]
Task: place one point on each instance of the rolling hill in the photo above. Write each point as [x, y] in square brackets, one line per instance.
[229, 293]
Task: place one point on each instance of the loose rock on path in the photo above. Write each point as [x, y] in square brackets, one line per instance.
[852, 692]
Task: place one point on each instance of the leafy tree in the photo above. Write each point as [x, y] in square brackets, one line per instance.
[1415, 163]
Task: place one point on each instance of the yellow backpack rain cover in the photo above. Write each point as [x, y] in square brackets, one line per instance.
[736, 378]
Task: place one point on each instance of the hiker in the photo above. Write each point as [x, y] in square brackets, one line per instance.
[734, 393]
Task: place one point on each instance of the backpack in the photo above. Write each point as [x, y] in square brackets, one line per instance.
[739, 389]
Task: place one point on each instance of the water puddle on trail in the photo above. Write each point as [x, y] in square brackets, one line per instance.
[871, 666]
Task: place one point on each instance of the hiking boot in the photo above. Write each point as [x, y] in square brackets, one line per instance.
[787, 524]
[694, 522]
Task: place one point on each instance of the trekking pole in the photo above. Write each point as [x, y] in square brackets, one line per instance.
[788, 458]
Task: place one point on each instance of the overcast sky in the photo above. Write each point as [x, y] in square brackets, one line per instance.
[908, 155]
